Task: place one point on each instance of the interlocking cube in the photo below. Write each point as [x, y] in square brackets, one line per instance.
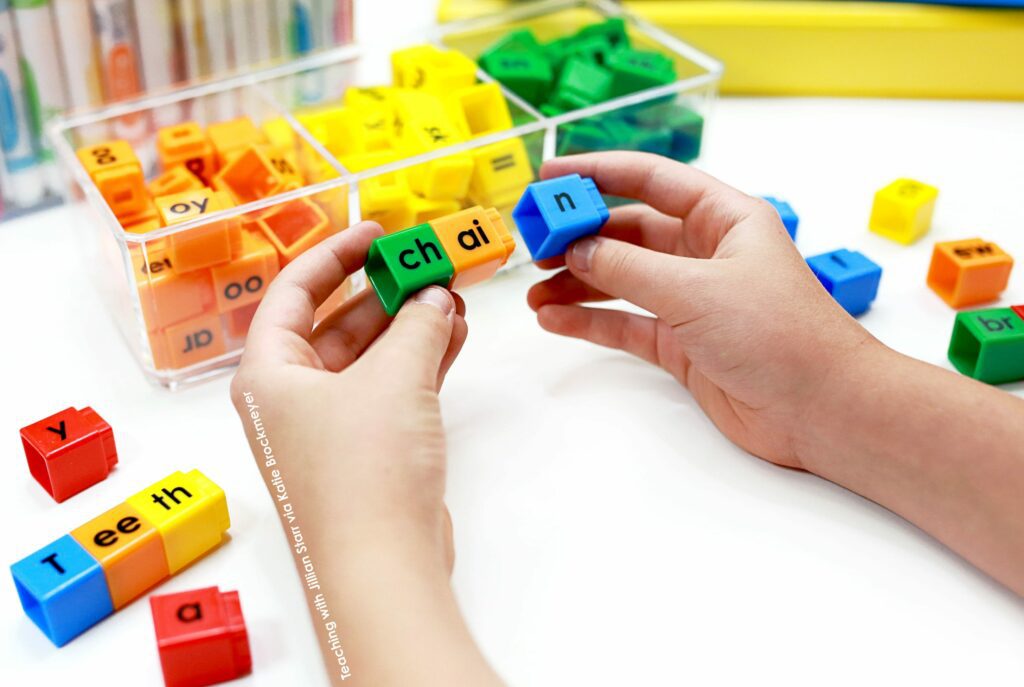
[554, 213]
[252, 176]
[129, 549]
[231, 137]
[849, 276]
[202, 246]
[685, 126]
[245, 279]
[969, 272]
[384, 198]
[189, 342]
[166, 296]
[175, 180]
[988, 345]
[482, 108]
[70, 451]
[71, 584]
[528, 74]
[400, 264]
[201, 637]
[789, 218]
[426, 126]
[427, 68]
[636, 70]
[142, 221]
[477, 243]
[903, 210]
[426, 209]
[294, 226]
[582, 83]
[62, 589]
[118, 176]
[186, 145]
[501, 172]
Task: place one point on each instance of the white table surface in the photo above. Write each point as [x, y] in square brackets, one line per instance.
[605, 532]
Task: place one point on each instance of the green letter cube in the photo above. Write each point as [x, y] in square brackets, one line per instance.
[635, 70]
[988, 345]
[405, 262]
[611, 30]
[525, 73]
[582, 83]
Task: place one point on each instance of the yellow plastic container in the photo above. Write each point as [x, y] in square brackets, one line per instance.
[840, 48]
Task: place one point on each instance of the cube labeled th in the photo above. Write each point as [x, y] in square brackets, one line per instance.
[988, 345]
[969, 272]
[201, 637]
[849, 276]
[69, 451]
[554, 213]
[902, 211]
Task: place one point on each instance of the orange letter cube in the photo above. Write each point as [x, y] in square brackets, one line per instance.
[202, 246]
[969, 272]
[476, 241]
[117, 174]
[186, 144]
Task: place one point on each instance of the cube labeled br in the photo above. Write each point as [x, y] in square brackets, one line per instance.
[849, 276]
[988, 345]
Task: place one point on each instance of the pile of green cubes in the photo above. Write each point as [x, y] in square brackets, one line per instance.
[596, 64]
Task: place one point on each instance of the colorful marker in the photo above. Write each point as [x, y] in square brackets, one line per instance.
[260, 49]
[154, 24]
[25, 183]
[115, 32]
[80, 63]
[281, 30]
[44, 79]
[218, 54]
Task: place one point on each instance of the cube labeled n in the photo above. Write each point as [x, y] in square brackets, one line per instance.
[554, 213]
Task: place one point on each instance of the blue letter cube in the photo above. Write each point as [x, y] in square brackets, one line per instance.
[554, 213]
[850, 277]
[789, 218]
[63, 589]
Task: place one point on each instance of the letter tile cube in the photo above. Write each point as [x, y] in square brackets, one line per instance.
[426, 126]
[191, 342]
[189, 511]
[554, 213]
[62, 589]
[903, 210]
[400, 264]
[175, 180]
[636, 70]
[789, 218]
[501, 172]
[426, 209]
[988, 345]
[295, 226]
[849, 276]
[202, 246]
[476, 241]
[231, 137]
[427, 68]
[201, 637]
[245, 279]
[130, 550]
[167, 297]
[118, 176]
[70, 451]
[582, 83]
[144, 220]
[526, 73]
[969, 272]
[251, 176]
[483, 109]
[186, 144]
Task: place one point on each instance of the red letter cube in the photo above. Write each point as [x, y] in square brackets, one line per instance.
[201, 637]
[70, 451]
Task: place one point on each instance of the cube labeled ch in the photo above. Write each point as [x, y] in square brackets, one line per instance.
[988, 345]
[554, 213]
[68, 586]
[849, 276]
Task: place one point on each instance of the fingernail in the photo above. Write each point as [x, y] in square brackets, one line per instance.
[582, 254]
[437, 297]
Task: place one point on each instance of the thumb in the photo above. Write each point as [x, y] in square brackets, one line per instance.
[657, 282]
[414, 345]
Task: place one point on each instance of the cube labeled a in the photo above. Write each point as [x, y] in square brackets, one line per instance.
[849, 276]
[400, 264]
[476, 241]
[903, 210]
[554, 213]
[988, 345]
[969, 272]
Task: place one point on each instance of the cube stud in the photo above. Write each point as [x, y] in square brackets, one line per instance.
[849, 276]
[968, 272]
[201, 637]
[554, 213]
[988, 345]
[70, 451]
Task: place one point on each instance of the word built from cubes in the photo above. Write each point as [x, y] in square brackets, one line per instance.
[554, 213]
[988, 345]
[453, 251]
[969, 272]
[201, 637]
[789, 218]
[70, 451]
[68, 586]
[903, 210]
[849, 276]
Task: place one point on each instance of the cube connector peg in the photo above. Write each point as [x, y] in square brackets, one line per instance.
[902, 211]
[969, 272]
[70, 451]
[554, 213]
[988, 345]
[849, 276]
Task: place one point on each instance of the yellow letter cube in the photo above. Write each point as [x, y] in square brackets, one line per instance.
[903, 210]
[425, 67]
[189, 511]
[501, 172]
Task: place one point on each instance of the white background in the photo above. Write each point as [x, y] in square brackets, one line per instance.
[605, 532]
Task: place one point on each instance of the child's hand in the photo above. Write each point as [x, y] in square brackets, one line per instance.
[738, 317]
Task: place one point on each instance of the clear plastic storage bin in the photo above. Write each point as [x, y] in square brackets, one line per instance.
[183, 274]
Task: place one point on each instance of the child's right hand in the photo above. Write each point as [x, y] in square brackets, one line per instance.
[739, 318]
